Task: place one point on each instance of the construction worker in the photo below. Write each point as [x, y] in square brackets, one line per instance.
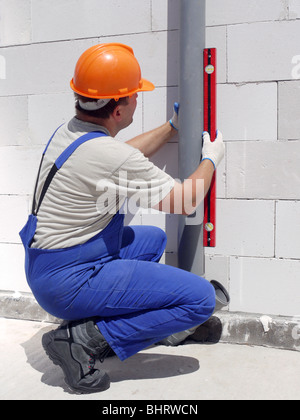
[82, 264]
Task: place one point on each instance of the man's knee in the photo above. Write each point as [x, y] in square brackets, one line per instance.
[156, 241]
[205, 299]
[159, 236]
[143, 243]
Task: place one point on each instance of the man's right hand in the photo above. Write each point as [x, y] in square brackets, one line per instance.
[213, 151]
[191, 189]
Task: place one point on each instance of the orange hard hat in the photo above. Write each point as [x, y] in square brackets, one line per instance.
[108, 71]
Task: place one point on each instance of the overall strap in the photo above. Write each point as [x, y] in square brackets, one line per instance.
[40, 167]
[60, 161]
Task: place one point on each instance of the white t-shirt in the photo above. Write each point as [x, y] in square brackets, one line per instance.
[92, 185]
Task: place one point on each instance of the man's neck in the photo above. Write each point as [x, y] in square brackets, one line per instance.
[104, 122]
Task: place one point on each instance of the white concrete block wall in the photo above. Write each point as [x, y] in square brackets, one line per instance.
[258, 183]
[258, 238]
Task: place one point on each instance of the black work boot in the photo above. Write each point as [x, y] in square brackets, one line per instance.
[75, 348]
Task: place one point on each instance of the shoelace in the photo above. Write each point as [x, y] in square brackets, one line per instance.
[103, 353]
[92, 361]
[99, 354]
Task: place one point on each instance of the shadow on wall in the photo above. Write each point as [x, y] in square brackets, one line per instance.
[172, 96]
[173, 50]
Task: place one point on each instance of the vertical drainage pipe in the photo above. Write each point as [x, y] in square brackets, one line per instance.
[192, 44]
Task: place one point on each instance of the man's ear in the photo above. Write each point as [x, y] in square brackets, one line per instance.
[117, 113]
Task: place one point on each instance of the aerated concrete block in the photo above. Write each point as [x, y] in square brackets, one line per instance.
[12, 260]
[288, 230]
[14, 121]
[15, 17]
[18, 169]
[165, 15]
[227, 12]
[217, 268]
[260, 51]
[294, 9]
[244, 227]
[46, 113]
[88, 18]
[262, 285]
[263, 170]
[248, 111]
[14, 211]
[288, 109]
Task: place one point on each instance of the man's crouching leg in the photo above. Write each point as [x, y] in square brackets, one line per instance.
[222, 299]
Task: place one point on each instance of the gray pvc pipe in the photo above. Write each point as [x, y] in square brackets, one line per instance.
[192, 43]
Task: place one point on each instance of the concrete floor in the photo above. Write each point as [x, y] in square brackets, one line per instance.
[188, 372]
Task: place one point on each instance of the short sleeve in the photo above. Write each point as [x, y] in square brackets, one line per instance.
[141, 182]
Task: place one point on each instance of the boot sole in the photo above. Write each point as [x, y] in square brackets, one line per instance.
[48, 342]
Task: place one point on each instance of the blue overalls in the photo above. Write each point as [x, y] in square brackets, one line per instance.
[116, 279]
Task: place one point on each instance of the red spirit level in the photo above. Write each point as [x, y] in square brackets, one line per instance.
[210, 125]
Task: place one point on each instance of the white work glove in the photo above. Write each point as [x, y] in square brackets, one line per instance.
[213, 151]
[174, 120]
